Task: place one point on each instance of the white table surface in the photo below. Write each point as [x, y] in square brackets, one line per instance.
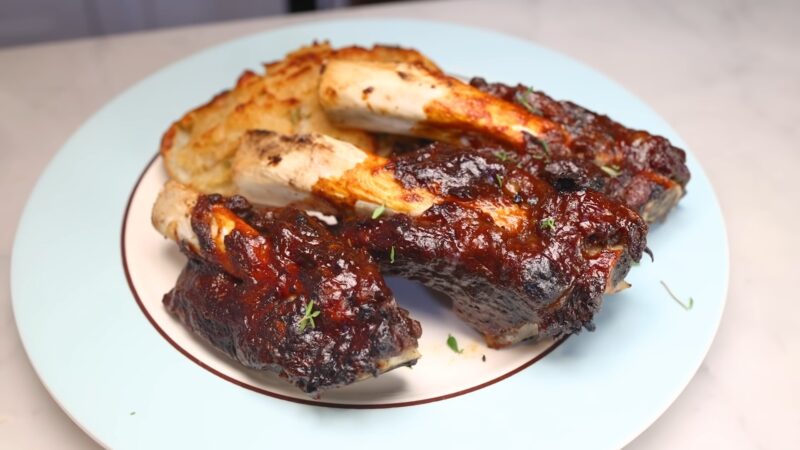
[725, 74]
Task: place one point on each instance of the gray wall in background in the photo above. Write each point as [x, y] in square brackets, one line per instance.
[29, 21]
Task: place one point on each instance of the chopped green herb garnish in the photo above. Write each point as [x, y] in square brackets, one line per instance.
[545, 147]
[545, 150]
[295, 115]
[504, 156]
[686, 306]
[391, 255]
[547, 222]
[133, 413]
[499, 179]
[378, 211]
[308, 317]
[453, 344]
[612, 171]
[520, 98]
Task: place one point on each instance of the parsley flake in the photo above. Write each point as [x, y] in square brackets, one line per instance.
[545, 154]
[504, 156]
[308, 317]
[378, 211]
[499, 179]
[520, 98]
[686, 306]
[295, 115]
[391, 255]
[453, 344]
[545, 147]
[547, 222]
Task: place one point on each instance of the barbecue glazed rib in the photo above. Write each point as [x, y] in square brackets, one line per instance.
[197, 148]
[644, 171]
[519, 258]
[249, 285]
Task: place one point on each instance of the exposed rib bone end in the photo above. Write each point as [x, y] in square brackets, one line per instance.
[378, 96]
[409, 99]
[657, 208]
[172, 212]
[278, 170]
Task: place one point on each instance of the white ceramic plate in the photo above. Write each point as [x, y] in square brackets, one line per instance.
[87, 265]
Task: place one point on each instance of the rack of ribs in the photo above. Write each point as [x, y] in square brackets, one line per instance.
[519, 258]
[275, 290]
[570, 146]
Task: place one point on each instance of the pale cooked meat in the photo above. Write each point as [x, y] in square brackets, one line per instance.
[519, 258]
[263, 286]
[409, 99]
[198, 147]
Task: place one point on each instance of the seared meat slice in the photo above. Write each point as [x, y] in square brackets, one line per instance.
[273, 289]
[645, 172]
[404, 98]
[519, 258]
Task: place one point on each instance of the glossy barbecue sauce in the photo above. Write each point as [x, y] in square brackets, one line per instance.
[644, 171]
[550, 267]
[289, 261]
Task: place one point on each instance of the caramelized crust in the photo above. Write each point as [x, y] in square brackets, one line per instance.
[250, 279]
[544, 277]
[519, 257]
[644, 171]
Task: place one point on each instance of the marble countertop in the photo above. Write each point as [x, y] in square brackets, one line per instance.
[725, 74]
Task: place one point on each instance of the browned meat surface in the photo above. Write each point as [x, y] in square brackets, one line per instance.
[543, 275]
[644, 171]
[519, 257]
[198, 147]
[249, 285]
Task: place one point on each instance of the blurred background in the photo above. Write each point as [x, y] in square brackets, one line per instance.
[31, 21]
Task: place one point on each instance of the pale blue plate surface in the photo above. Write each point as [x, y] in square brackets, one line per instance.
[102, 360]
